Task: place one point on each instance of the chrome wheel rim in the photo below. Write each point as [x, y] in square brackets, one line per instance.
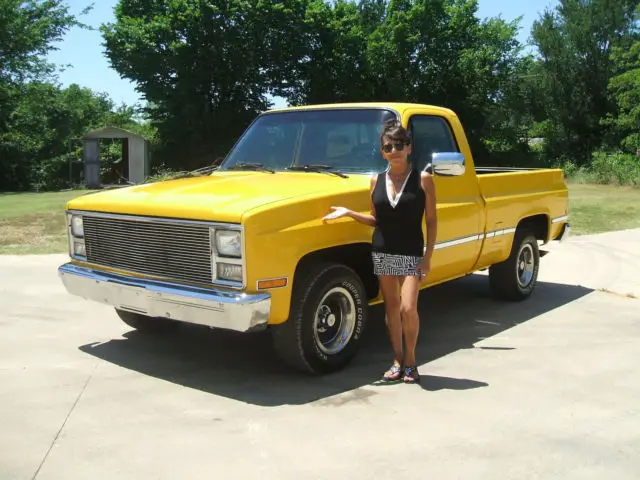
[525, 266]
[334, 321]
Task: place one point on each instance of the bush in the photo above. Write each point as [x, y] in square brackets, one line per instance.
[615, 168]
[51, 174]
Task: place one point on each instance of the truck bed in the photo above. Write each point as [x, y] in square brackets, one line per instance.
[534, 185]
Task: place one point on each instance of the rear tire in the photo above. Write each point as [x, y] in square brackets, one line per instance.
[516, 277]
[146, 324]
[329, 310]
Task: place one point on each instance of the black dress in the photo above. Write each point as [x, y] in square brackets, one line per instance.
[398, 241]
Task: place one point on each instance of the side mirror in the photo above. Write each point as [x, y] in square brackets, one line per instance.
[446, 164]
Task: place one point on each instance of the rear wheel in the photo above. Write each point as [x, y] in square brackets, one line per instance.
[327, 319]
[146, 324]
[516, 277]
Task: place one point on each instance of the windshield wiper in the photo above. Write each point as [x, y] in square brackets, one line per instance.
[317, 168]
[251, 166]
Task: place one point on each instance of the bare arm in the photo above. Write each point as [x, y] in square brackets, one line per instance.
[369, 219]
[431, 216]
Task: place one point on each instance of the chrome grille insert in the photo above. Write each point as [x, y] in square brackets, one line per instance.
[172, 250]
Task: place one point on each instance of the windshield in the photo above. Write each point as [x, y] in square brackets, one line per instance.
[344, 140]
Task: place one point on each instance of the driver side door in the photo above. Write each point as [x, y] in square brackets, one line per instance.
[459, 204]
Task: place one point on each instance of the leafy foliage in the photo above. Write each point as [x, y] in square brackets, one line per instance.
[624, 87]
[27, 32]
[46, 126]
[207, 68]
[39, 121]
[575, 43]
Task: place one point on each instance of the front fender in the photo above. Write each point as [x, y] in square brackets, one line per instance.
[275, 252]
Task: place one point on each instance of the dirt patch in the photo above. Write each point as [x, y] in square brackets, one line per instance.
[623, 295]
[34, 233]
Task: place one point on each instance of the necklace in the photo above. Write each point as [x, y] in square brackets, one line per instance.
[398, 176]
[397, 182]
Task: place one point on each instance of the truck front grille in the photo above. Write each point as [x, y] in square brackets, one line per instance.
[172, 250]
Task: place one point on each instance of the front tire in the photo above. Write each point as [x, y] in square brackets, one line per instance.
[328, 315]
[516, 277]
[146, 324]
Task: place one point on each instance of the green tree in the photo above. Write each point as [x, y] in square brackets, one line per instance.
[44, 121]
[205, 67]
[329, 61]
[575, 42]
[28, 30]
[440, 52]
[624, 88]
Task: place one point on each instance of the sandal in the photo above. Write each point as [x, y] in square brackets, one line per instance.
[393, 374]
[411, 375]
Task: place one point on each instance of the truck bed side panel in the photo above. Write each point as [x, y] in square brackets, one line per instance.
[513, 196]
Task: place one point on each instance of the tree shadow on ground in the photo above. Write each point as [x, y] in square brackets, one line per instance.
[454, 316]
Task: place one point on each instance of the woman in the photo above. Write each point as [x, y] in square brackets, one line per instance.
[400, 196]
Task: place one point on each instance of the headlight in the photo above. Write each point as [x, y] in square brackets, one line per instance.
[228, 243]
[79, 249]
[77, 227]
[230, 272]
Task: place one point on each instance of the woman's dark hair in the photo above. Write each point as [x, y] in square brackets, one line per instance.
[395, 131]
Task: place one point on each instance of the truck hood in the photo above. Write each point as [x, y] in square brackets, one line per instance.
[223, 196]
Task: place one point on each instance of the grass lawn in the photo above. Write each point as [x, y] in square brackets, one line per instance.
[34, 222]
[602, 208]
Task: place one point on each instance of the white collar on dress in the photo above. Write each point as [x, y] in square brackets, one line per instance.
[395, 201]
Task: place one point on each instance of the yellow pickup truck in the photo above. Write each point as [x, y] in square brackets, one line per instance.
[245, 248]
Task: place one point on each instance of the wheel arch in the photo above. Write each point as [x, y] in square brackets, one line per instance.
[539, 224]
[356, 256]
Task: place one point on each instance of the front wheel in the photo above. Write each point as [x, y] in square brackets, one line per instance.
[516, 277]
[327, 319]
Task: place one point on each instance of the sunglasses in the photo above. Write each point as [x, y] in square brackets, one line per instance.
[388, 147]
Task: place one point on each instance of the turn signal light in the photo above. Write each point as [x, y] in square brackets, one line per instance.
[272, 283]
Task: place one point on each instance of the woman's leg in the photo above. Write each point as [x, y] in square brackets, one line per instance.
[410, 319]
[389, 285]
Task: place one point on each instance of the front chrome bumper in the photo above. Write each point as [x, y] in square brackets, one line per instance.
[203, 306]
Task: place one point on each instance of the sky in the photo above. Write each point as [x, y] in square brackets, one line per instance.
[83, 49]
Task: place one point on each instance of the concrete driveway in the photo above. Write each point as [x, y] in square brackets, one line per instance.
[547, 388]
